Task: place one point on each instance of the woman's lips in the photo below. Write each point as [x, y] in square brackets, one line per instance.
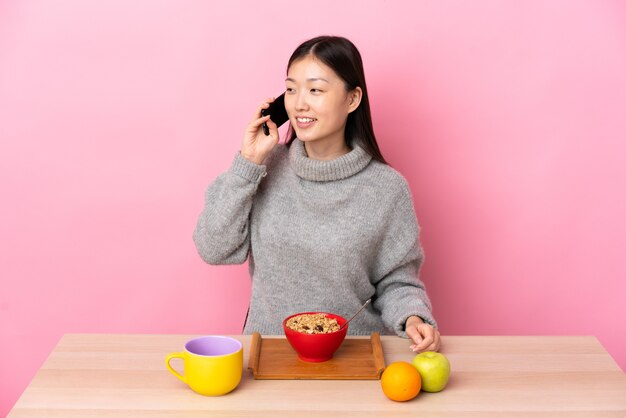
[304, 123]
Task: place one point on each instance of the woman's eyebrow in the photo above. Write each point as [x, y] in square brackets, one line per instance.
[309, 79]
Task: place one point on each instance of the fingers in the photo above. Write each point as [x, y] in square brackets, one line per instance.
[256, 145]
[425, 337]
[414, 335]
[437, 344]
[264, 105]
[273, 128]
[425, 343]
[253, 128]
[258, 122]
[255, 125]
[258, 118]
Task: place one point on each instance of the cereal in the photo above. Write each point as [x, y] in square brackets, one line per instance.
[313, 324]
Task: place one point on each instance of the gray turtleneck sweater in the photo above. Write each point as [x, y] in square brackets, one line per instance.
[319, 236]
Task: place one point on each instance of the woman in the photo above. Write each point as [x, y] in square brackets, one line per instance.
[325, 223]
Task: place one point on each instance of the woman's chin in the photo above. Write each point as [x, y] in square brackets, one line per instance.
[305, 136]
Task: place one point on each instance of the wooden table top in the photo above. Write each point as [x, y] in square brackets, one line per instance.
[96, 375]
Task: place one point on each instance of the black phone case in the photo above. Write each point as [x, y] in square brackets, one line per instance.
[277, 112]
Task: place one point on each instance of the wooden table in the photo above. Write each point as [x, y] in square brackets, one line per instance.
[125, 376]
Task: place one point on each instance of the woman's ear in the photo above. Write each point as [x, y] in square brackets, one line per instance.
[354, 99]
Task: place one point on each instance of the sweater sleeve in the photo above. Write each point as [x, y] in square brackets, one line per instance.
[399, 291]
[222, 233]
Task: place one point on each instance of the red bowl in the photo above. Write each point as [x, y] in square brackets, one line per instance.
[316, 347]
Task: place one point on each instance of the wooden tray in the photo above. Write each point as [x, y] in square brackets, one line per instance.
[356, 359]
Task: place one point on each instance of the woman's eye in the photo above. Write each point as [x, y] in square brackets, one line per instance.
[289, 90]
[316, 91]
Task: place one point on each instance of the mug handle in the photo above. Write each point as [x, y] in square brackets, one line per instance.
[171, 369]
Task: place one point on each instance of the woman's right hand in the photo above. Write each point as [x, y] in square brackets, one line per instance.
[256, 145]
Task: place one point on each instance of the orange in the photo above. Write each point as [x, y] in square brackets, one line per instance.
[401, 381]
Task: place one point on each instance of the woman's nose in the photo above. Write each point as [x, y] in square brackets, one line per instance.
[301, 102]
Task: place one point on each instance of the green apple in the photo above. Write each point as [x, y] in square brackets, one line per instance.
[434, 369]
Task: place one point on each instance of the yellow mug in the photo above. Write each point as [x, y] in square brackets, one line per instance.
[212, 364]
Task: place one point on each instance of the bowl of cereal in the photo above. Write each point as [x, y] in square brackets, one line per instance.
[315, 335]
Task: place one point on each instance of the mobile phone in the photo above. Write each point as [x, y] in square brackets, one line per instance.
[277, 113]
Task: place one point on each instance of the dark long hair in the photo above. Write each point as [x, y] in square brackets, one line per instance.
[344, 59]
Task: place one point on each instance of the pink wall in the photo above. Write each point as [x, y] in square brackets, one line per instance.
[507, 119]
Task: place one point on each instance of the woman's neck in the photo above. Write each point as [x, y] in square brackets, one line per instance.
[325, 151]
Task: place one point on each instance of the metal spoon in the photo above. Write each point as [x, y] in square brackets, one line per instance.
[367, 302]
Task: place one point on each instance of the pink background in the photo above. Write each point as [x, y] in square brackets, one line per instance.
[508, 120]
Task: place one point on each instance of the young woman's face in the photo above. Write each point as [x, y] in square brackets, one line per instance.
[317, 102]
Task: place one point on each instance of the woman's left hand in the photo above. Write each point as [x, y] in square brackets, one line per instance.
[424, 336]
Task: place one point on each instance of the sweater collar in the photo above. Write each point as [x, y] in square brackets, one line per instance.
[315, 170]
